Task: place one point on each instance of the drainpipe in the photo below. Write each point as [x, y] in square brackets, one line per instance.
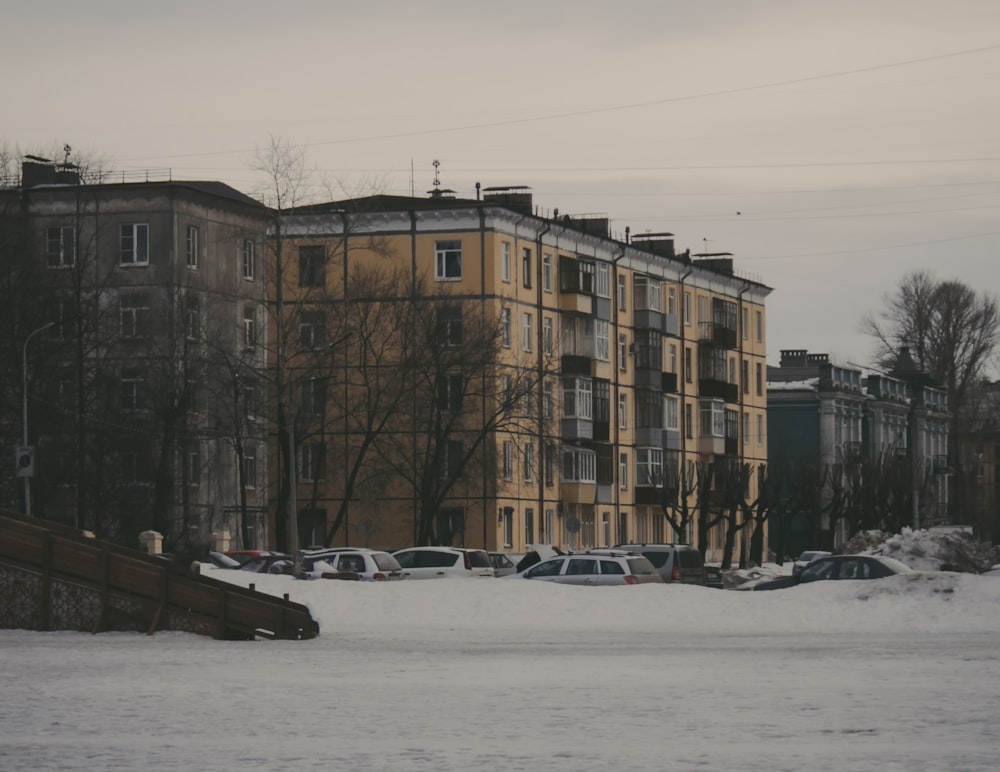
[683, 381]
[613, 407]
[540, 376]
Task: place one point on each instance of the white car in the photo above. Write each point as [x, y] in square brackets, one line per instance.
[598, 567]
[806, 558]
[444, 562]
[370, 565]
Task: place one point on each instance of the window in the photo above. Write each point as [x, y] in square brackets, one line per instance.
[647, 294]
[621, 292]
[746, 428]
[732, 370]
[713, 418]
[313, 396]
[623, 471]
[528, 332]
[526, 267]
[249, 467]
[529, 526]
[507, 393]
[61, 246]
[453, 460]
[249, 327]
[603, 280]
[550, 465]
[505, 327]
[450, 389]
[578, 398]
[704, 316]
[249, 259]
[687, 309]
[134, 244]
[449, 325]
[133, 467]
[134, 315]
[759, 326]
[672, 301]
[192, 246]
[622, 351]
[547, 272]
[529, 463]
[579, 465]
[192, 317]
[312, 266]
[508, 459]
[672, 359]
[759, 378]
[448, 260]
[760, 431]
[746, 376]
[250, 401]
[688, 421]
[311, 461]
[312, 330]
[648, 349]
[131, 389]
[547, 335]
[649, 467]
[623, 411]
[602, 400]
[505, 261]
[192, 464]
[671, 413]
[745, 323]
[602, 340]
[687, 365]
[529, 396]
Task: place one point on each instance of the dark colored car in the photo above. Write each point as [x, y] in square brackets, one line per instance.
[713, 577]
[675, 562]
[840, 567]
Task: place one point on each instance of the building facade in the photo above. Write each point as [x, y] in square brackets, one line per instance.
[147, 311]
[617, 372]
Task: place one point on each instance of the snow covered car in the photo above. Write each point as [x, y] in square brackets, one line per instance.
[443, 562]
[502, 564]
[840, 567]
[806, 558]
[370, 565]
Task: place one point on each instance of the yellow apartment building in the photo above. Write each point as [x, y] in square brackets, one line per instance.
[601, 377]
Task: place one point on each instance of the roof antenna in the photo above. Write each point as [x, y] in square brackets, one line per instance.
[67, 150]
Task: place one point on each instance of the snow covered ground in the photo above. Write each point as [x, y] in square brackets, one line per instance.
[503, 674]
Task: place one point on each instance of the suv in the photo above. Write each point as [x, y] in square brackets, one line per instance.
[369, 565]
[595, 567]
[675, 562]
[443, 562]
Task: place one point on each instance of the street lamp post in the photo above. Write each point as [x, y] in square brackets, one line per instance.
[24, 408]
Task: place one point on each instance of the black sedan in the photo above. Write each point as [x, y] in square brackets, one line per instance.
[840, 567]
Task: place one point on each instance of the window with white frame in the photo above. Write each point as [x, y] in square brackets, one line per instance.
[687, 309]
[760, 431]
[249, 327]
[623, 471]
[759, 326]
[134, 244]
[602, 286]
[312, 266]
[746, 428]
[134, 315]
[508, 459]
[622, 351]
[713, 418]
[578, 397]
[528, 332]
[507, 393]
[526, 267]
[192, 317]
[602, 340]
[549, 406]
[529, 462]
[672, 358]
[529, 396]
[192, 246]
[448, 260]
[450, 390]
[192, 463]
[647, 294]
[745, 323]
[449, 325]
[312, 396]
[547, 335]
[623, 411]
[586, 336]
[579, 465]
[672, 301]
[505, 327]
[249, 259]
[505, 261]
[60, 246]
[671, 412]
[622, 291]
[649, 467]
[547, 272]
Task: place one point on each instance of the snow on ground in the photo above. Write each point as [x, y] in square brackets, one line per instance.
[505, 674]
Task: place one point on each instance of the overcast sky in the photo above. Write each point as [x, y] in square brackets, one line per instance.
[831, 147]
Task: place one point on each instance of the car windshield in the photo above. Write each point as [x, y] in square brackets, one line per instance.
[385, 561]
[479, 559]
[818, 569]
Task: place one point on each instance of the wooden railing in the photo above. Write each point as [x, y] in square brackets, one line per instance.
[55, 578]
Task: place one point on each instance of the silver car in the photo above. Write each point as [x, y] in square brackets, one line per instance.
[598, 568]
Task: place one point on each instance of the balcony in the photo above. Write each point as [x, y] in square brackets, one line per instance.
[717, 335]
[576, 364]
[648, 377]
[647, 320]
[672, 439]
[649, 435]
[577, 492]
[577, 429]
[710, 445]
[710, 388]
[670, 325]
[668, 383]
